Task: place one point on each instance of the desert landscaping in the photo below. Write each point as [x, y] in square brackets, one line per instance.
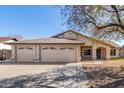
[109, 74]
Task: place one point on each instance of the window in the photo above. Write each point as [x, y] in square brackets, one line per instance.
[45, 48]
[21, 48]
[113, 52]
[29, 48]
[70, 48]
[26, 48]
[53, 48]
[87, 52]
[62, 48]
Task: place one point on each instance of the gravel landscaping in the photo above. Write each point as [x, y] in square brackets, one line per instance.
[106, 75]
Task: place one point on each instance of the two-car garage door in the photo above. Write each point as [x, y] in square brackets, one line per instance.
[66, 54]
[46, 54]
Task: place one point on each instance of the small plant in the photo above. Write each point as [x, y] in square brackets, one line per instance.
[92, 85]
[121, 68]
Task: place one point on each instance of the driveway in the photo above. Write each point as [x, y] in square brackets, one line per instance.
[12, 70]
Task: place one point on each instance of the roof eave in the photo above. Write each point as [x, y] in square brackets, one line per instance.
[45, 43]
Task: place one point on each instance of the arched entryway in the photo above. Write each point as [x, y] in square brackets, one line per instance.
[101, 53]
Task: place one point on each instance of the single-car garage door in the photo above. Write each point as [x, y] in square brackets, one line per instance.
[25, 54]
[61, 54]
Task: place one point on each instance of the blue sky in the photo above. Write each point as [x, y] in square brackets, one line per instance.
[31, 21]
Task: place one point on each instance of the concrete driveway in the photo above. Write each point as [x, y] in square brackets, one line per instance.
[12, 70]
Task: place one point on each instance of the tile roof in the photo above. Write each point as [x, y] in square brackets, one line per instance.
[46, 41]
[110, 43]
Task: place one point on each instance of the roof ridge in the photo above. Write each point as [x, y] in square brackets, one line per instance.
[87, 37]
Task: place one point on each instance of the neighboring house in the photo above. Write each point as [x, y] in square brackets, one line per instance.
[69, 46]
[122, 52]
[5, 50]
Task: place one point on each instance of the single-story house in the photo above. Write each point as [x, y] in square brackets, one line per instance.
[69, 46]
[5, 50]
[122, 51]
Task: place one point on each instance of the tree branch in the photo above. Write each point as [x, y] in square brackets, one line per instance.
[93, 20]
[116, 11]
[112, 11]
[112, 25]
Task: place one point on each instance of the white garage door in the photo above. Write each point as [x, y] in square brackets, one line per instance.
[58, 54]
[25, 54]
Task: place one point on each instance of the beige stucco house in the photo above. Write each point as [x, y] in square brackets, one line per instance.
[69, 46]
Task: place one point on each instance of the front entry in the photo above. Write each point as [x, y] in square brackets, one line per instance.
[101, 53]
[98, 53]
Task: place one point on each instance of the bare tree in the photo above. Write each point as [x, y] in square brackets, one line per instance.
[17, 36]
[102, 21]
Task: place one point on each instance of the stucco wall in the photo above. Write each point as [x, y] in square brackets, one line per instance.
[90, 42]
[121, 52]
[117, 53]
[13, 56]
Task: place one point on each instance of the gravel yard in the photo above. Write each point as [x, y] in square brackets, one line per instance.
[109, 74]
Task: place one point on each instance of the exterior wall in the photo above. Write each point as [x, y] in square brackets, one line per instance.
[117, 53]
[87, 41]
[70, 35]
[13, 56]
[36, 53]
[121, 53]
[78, 55]
[90, 42]
[94, 44]
[73, 36]
[108, 49]
[97, 45]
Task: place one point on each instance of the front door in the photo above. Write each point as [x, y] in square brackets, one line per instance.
[98, 53]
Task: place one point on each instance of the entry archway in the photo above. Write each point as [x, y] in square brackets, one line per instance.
[101, 53]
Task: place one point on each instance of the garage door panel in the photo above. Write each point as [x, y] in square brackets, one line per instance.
[25, 55]
[57, 55]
